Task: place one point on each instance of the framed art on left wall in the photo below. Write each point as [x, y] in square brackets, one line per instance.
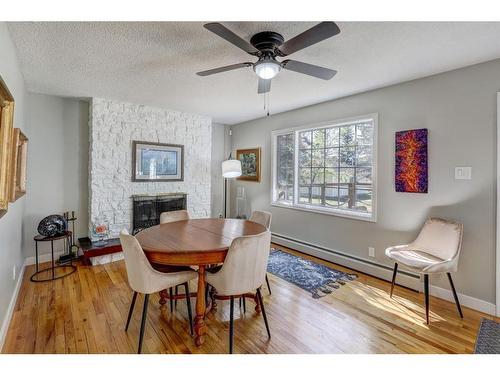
[6, 125]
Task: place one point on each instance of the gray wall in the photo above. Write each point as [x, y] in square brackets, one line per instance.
[459, 109]
[57, 164]
[11, 222]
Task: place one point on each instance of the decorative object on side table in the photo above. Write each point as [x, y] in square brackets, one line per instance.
[250, 164]
[411, 170]
[100, 231]
[157, 162]
[53, 225]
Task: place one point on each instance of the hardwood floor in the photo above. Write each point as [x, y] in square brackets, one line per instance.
[86, 313]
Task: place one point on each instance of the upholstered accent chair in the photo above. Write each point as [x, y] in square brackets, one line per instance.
[436, 250]
[263, 218]
[243, 271]
[171, 216]
[143, 278]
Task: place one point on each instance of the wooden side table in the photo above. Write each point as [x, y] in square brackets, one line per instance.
[68, 268]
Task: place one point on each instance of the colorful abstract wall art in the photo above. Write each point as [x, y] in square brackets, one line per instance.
[411, 174]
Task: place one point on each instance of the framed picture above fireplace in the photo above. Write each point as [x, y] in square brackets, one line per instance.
[157, 162]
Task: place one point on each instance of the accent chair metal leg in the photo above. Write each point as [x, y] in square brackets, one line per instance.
[268, 286]
[176, 293]
[426, 292]
[170, 294]
[244, 305]
[143, 322]
[132, 304]
[394, 277]
[259, 295]
[231, 325]
[457, 302]
[190, 313]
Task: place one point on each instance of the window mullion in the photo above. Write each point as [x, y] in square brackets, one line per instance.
[296, 168]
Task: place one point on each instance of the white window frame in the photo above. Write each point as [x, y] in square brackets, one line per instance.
[358, 215]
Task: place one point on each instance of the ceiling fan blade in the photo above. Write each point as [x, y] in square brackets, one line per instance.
[264, 86]
[315, 34]
[224, 69]
[231, 37]
[309, 69]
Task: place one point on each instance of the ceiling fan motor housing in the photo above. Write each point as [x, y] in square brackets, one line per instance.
[267, 41]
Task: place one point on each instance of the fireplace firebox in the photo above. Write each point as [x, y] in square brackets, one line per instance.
[147, 208]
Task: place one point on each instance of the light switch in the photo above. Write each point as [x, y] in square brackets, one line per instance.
[463, 173]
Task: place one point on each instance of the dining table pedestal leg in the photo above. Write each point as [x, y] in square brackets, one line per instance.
[199, 320]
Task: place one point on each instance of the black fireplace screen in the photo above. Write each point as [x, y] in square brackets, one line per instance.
[147, 209]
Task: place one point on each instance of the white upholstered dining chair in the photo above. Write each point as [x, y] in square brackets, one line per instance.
[263, 218]
[143, 278]
[243, 271]
[171, 216]
[436, 250]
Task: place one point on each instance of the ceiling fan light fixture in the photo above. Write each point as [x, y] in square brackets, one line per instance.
[267, 68]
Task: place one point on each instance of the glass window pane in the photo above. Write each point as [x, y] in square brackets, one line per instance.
[317, 176]
[346, 175]
[331, 197]
[347, 156]
[332, 137]
[347, 135]
[319, 138]
[364, 134]
[284, 166]
[331, 176]
[318, 158]
[364, 155]
[317, 195]
[363, 200]
[332, 157]
[364, 176]
[304, 158]
[304, 194]
[289, 193]
[305, 139]
[344, 197]
[305, 176]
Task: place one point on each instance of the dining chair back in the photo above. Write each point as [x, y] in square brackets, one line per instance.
[262, 218]
[245, 266]
[171, 216]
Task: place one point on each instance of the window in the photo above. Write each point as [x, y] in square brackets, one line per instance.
[328, 168]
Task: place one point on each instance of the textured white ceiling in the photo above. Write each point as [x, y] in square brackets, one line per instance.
[155, 63]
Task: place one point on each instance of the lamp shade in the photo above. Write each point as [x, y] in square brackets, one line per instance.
[231, 168]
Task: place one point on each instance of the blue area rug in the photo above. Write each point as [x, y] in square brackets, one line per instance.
[488, 338]
[317, 279]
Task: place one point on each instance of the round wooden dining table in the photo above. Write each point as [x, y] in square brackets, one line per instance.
[194, 242]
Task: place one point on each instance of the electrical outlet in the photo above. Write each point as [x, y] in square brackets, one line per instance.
[371, 252]
[14, 273]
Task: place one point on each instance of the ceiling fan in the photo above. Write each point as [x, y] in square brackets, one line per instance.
[268, 45]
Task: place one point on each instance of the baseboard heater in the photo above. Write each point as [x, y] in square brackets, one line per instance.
[405, 278]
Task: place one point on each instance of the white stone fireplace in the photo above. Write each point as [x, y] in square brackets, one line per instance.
[113, 127]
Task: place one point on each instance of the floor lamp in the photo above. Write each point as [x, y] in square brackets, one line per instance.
[230, 169]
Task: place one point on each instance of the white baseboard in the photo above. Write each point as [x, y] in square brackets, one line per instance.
[12, 305]
[42, 258]
[465, 300]
[407, 279]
